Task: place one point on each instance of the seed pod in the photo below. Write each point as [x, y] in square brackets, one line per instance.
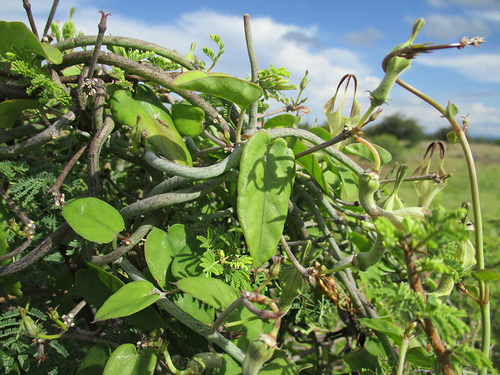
[259, 351]
[394, 67]
[152, 104]
[188, 119]
[163, 137]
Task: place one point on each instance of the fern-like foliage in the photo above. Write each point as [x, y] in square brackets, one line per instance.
[211, 54]
[11, 169]
[222, 257]
[273, 81]
[24, 190]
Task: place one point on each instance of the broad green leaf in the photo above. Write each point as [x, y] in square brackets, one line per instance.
[348, 181]
[361, 359]
[125, 360]
[279, 366]
[383, 326]
[285, 120]
[267, 172]
[95, 360]
[452, 137]
[93, 219]
[197, 309]
[320, 132]
[229, 366]
[214, 292]
[419, 357]
[486, 275]
[359, 149]
[451, 110]
[15, 37]
[11, 110]
[238, 91]
[309, 163]
[361, 242]
[187, 262]
[159, 256]
[96, 286]
[52, 53]
[130, 298]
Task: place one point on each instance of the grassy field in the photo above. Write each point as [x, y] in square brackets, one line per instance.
[487, 160]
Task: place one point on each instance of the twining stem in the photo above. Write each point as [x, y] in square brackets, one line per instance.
[252, 115]
[373, 150]
[476, 207]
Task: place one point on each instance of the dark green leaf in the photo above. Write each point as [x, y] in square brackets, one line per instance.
[93, 219]
[11, 110]
[267, 172]
[211, 291]
[359, 149]
[130, 298]
[95, 360]
[238, 91]
[486, 275]
[125, 360]
[285, 120]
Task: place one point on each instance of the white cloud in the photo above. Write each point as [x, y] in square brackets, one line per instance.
[449, 27]
[363, 38]
[482, 67]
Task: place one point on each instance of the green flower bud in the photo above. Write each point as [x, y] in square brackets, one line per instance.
[392, 201]
[394, 67]
[428, 189]
[336, 121]
[259, 351]
[28, 324]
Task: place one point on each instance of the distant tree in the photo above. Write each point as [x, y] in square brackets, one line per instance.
[441, 134]
[404, 129]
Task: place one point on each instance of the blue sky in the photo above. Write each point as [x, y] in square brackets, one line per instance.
[328, 38]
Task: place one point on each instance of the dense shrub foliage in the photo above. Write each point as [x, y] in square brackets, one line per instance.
[157, 218]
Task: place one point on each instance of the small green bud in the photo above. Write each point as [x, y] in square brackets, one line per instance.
[28, 324]
[336, 121]
[304, 81]
[394, 67]
[392, 202]
[428, 189]
[259, 351]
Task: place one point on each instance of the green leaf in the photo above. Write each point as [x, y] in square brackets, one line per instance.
[188, 119]
[309, 163]
[452, 137]
[211, 291]
[451, 111]
[348, 181]
[52, 53]
[198, 310]
[93, 219]
[96, 286]
[15, 37]
[280, 366]
[419, 357]
[285, 120]
[359, 149]
[159, 256]
[130, 298]
[267, 172]
[383, 326]
[486, 275]
[11, 110]
[95, 360]
[238, 91]
[125, 360]
[320, 132]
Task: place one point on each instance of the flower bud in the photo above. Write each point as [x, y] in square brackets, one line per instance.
[259, 351]
[428, 189]
[336, 121]
[28, 324]
[392, 201]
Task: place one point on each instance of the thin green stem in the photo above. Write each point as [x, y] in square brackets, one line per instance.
[373, 150]
[476, 206]
[239, 126]
[252, 116]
